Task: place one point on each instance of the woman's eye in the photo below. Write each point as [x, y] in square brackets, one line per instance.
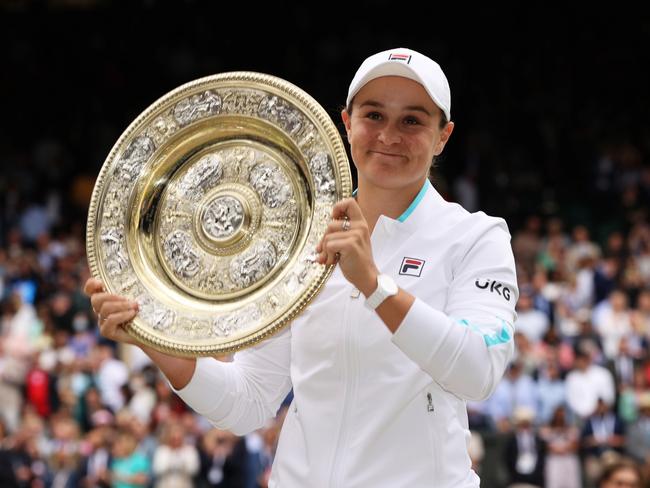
[411, 121]
[374, 115]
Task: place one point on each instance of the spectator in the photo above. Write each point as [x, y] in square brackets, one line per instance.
[526, 245]
[129, 468]
[581, 249]
[525, 451]
[111, 375]
[587, 384]
[175, 462]
[95, 464]
[516, 389]
[224, 461]
[64, 454]
[543, 294]
[531, 322]
[623, 365]
[551, 390]
[637, 442]
[613, 322]
[602, 433]
[621, 474]
[562, 469]
[606, 276]
[640, 317]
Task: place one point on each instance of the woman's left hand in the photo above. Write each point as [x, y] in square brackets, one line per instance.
[347, 242]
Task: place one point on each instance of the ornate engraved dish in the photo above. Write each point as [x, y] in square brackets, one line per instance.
[208, 209]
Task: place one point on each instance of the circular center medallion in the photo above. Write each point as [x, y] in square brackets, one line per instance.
[223, 217]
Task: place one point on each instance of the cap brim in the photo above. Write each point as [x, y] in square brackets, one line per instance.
[391, 68]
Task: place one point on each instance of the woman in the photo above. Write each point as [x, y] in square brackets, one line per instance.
[379, 383]
[129, 467]
[175, 463]
[562, 467]
[621, 474]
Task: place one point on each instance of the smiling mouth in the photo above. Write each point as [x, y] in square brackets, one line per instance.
[383, 153]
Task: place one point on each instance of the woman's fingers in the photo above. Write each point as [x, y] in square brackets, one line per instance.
[347, 207]
[98, 300]
[334, 248]
[111, 307]
[336, 226]
[93, 285]
[113, 311]
[111, 326]
[117, 318]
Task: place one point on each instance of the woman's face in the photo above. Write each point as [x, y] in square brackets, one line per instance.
[623, 478]
[394, 133]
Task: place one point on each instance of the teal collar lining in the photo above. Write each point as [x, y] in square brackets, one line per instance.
[411, 208]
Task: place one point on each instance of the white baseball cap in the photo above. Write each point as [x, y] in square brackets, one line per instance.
[408, 64]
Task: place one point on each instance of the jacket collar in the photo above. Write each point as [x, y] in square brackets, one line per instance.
[425, 203]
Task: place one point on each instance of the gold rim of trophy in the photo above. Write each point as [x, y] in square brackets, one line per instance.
[208, 209]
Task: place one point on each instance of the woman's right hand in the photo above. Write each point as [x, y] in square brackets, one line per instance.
[113, 311]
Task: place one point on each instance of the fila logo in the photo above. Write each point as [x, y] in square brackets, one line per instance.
[411, 267]
[399, 57]
[495, 287]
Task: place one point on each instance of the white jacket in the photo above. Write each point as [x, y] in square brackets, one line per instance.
[373, 409]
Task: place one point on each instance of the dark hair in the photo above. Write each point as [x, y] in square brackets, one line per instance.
[609, 470]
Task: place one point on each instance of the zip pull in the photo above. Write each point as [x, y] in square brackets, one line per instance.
[429, 403]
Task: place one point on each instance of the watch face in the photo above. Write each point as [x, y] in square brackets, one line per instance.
[387, 283]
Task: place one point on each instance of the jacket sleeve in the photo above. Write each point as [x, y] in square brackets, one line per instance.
[466, 347]
[242, 395]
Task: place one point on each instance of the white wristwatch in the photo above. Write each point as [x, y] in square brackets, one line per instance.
[386, 287]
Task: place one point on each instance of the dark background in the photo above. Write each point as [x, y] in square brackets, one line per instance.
[550, 105]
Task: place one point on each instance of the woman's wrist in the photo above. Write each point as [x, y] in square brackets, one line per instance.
[369, 283]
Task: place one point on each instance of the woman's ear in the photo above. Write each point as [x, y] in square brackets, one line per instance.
[445, 134]
[345, 116]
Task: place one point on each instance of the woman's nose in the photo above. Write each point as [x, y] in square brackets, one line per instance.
[389, 135]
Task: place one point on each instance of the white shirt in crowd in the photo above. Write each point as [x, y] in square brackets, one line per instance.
[584, 388]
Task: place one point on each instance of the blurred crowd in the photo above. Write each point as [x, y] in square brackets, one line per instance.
[78, 410]
[576, 397]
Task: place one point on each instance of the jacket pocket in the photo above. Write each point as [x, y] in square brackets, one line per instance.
[432, 414]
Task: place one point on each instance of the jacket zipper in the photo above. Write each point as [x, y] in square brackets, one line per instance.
[350, 367]
[430, 403]
[350, 371]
